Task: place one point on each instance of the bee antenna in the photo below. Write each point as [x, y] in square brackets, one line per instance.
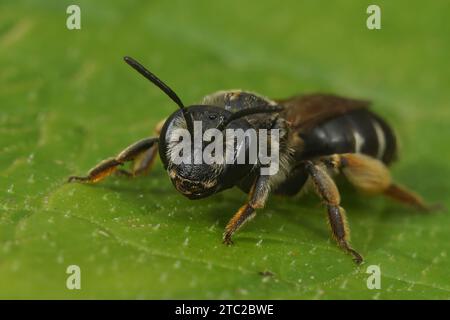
[249, 111]
[161, 85]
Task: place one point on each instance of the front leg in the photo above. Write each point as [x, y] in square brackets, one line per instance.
[145, 149]
[142, 153]
[329, 193]
[257, 199]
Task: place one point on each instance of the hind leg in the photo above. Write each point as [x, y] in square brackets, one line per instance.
[372, 176]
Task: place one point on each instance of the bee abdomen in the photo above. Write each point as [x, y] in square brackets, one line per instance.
[359, 131]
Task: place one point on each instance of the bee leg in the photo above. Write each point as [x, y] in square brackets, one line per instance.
[372, 176]
[142, 164]
[257, 199]
[411, 198]
[108, 166]
[329, 193]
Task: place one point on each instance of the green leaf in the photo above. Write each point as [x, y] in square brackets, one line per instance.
[67, 100]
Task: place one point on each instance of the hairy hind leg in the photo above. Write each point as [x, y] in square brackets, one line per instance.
[108, 166]
[372, 176]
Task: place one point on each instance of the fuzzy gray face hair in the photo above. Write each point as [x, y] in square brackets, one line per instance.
[186, 166]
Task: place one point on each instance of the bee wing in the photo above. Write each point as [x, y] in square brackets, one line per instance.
[305, 112]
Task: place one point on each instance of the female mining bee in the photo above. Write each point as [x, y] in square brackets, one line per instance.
[319, 136]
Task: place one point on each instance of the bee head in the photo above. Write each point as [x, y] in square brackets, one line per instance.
[205, 149]
[204, 161]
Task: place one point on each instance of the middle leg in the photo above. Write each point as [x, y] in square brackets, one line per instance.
[329, 193]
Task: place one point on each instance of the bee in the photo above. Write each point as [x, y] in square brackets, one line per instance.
[320, 136]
